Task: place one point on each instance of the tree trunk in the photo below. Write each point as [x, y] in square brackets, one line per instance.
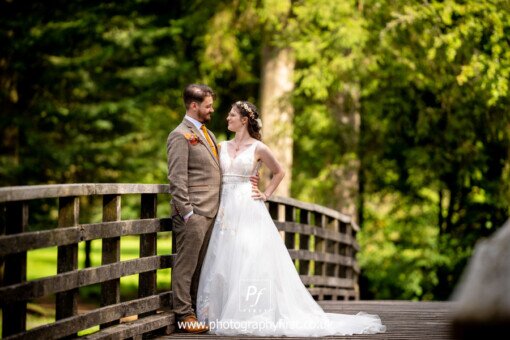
[277, 111]
[345, 109]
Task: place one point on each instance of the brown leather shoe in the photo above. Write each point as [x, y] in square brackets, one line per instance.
[190, 324]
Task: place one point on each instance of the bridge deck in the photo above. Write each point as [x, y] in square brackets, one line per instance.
[403, 319]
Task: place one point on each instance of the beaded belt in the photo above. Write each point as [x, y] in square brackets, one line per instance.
[226, 179]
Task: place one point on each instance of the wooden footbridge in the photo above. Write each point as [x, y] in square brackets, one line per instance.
[403, 320]
[321, 241]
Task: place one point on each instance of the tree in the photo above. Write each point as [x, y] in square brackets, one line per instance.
[435, 132]
[277, 83]
[328, 39]
[253, 34]
[86, 88]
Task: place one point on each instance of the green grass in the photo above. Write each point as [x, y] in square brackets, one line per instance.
[88, 331]
[43, 263]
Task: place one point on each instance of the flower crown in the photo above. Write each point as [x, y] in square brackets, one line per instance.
[246, 108]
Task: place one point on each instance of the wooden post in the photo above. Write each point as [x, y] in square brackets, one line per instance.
[289, 237]
[304, 242]
[320, 247]
[110, 290]
[68, 215]
[331, 247]
[148, 247]
[333, 269]
[273, 210]
[342, 249]
[15, 269]
[349, 251]
[276, 215]
[174, 251]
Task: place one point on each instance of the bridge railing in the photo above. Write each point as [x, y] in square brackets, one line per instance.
[320, 240]
[322, 243]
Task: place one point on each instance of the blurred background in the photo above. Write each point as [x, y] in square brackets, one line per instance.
[396, 112]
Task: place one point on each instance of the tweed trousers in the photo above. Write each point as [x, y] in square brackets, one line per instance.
[192, 239]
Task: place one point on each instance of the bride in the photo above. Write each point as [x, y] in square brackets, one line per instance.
[248, 284]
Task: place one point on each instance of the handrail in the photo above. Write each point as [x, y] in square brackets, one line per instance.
[322, 241]
[30, 192]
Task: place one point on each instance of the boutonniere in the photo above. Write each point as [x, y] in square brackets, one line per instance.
[192, 138]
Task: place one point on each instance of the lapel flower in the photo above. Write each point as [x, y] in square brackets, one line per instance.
[192, 138]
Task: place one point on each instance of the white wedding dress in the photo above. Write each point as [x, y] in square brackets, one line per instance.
[248, 284]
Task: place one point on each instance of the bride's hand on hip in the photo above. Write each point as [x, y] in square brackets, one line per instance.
[256, 194]
[254, 179]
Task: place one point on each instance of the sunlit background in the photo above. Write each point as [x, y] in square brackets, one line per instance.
[396, 112]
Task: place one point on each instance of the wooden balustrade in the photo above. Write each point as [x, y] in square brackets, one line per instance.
[326, 247]
[321, 241]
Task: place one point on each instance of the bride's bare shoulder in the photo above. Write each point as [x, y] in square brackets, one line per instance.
[262, 148]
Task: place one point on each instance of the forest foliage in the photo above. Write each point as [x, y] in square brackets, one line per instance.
[415, 93]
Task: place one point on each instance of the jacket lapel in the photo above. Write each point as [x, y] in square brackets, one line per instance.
[192, 126]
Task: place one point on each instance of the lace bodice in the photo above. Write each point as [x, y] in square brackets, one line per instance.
[239, 168]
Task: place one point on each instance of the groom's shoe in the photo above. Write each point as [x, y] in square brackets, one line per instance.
[190, 324]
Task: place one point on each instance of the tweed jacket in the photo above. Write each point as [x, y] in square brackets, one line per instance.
[193, 172]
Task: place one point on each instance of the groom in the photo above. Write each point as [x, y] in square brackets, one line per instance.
[195, 179]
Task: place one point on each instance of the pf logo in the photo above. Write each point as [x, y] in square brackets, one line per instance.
[254, 296]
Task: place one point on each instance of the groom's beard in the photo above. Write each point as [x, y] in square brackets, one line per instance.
[204, 117]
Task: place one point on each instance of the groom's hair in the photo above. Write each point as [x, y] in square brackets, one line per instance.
[196, 93]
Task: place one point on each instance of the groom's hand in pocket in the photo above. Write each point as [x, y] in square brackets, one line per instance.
[187, 217]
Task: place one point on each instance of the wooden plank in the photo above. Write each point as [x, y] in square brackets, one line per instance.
[343, 293]
[20, 193]
[72, 325]
[148, 247]
[15, 270]
[131, 188]
[138, 327]
[313, 230]
[403, 319]
[326, 281]
[30, 192]
[321, 257]
[84, 232]
[79, 278]
[67, 258]
[110, 290]
[311, 207]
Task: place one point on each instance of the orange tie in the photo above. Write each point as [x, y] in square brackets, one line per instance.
[209, 140]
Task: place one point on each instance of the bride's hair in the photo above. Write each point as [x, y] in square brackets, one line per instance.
[247, 109]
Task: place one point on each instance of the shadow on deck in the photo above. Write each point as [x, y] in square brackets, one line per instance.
[403, 319]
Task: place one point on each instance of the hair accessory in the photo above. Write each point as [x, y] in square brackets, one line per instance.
[247, 109]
